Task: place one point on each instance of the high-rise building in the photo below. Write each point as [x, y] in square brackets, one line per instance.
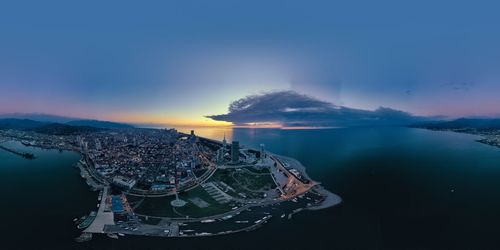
[235, 152]
[224, 142]
[192, 132]
[262, 153]
[220, 155]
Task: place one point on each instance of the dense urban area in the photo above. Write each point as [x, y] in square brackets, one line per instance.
[161, 182]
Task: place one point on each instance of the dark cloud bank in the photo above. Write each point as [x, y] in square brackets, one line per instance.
[293, 109]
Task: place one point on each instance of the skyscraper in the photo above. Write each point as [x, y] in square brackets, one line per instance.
[235, 152]
[224, 142]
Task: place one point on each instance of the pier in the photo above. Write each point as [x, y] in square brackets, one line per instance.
[102, 218]
[29, 156]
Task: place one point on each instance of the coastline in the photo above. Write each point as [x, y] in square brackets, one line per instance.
[329, 199]
[481, 137]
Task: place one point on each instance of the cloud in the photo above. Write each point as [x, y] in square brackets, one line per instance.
[290, 108]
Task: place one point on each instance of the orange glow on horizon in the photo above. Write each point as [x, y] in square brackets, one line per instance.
[172, 121]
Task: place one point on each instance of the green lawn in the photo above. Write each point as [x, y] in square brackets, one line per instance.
[161, 206]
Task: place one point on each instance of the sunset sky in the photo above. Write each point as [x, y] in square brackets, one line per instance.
[176, 62]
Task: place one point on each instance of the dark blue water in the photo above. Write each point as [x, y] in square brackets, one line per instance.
[402, 188]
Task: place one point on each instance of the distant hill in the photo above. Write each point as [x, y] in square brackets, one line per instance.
[39, 117]
[63, 129]
[10, 123]
[461, 123]
[99, 124]
[31, 120]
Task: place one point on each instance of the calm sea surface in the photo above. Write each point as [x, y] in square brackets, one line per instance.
[401, 188]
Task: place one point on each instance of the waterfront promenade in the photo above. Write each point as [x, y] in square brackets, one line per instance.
[102, 218]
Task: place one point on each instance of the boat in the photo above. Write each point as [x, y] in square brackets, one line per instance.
[241, 221]
[257, 221]
[79, 220]
[120, 234]
[84, 237]
[112, 236]
[87, 221]
[188, 231]
[207, 221]
[227, 217]
[27, 143]
[283, 216]
[203, 234]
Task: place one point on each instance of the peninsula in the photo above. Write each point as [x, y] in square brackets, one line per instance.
[161, 182]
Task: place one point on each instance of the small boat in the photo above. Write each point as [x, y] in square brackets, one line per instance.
[207, 221]
[87, 221]
[120, 234]
[84, 237]
[203, 234]
[283, 216]
[241, 221]
[112, 236]
[257, 221]
[227, 217]
[80, 220]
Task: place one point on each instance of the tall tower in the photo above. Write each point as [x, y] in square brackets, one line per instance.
[224, 142]
[235, 152]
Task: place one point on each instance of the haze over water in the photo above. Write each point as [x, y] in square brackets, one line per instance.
[401, 187]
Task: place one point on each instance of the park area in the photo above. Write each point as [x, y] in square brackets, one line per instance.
[226, 189]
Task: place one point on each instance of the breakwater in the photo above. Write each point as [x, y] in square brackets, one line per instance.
[26, 155]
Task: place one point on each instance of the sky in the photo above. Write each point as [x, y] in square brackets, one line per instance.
[177, 62]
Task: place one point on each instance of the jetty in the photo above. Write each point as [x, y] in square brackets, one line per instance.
[29, 156]
[102, 217]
